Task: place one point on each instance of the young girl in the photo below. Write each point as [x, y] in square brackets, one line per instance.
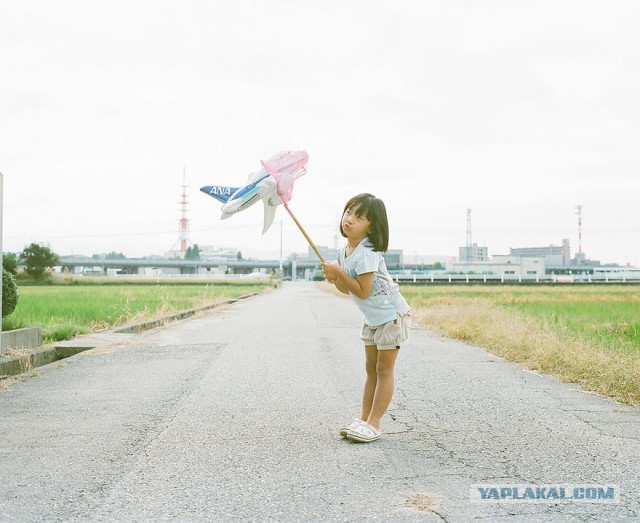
[361, 272]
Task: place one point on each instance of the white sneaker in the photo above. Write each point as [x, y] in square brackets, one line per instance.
[344, 430]
[363, 433]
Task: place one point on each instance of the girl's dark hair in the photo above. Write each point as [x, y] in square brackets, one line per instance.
[374, 210]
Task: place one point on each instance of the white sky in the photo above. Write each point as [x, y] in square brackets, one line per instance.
[518, 110]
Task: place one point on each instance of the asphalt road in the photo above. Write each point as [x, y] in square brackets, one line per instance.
[234, 416]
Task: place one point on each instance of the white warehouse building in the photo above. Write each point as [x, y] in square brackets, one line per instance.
[509, 267]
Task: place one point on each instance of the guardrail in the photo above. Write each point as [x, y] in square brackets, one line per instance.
[508, 279]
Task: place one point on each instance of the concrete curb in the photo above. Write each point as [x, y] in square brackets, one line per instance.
[32, 358]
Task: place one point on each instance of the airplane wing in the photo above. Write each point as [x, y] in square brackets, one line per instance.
[269, 213]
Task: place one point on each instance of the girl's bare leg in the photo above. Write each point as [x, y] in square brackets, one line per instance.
[371, 362]
[385, 364]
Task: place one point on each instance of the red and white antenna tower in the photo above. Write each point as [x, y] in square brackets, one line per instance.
[183, 230]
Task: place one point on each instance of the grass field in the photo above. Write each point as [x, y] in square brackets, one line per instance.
[589, 335]
[63, 311]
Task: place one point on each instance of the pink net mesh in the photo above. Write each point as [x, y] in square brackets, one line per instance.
[286, 167]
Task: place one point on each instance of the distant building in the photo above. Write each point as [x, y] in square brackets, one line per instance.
[423, 260]
[581, 260]
[509, 267]
[557, 258]
[393, 258]
[473, 253]
[553, 254]
[210, 252]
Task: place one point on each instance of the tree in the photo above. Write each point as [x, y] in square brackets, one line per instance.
[10, 262]
[193, 253]
[437, 266]
[239, 256]
[9, 293]
[37, 259]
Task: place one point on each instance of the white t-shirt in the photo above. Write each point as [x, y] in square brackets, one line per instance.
[385, 300]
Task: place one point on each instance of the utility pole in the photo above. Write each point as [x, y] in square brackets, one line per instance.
[469, 248]
[1, 252]
[280, 244]
[579, 213]
[184, 222]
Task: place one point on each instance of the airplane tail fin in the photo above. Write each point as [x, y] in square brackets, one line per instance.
[220, 193]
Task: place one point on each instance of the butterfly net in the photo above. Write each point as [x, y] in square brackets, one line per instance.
[286, 167]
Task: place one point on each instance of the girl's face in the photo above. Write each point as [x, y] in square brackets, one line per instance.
[354, 226]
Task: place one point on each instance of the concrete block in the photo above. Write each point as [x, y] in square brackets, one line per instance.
[28, 338]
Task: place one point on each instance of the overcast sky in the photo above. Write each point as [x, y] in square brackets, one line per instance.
[517, 110]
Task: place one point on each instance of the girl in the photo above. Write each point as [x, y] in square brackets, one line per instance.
[361, 272]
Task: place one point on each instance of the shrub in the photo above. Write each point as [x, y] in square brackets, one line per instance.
[10, 262]
[9, 293]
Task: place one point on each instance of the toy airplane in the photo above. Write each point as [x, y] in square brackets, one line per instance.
[260, 186]
[272, 184]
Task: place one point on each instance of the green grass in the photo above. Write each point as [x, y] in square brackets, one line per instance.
[65, 311]
[616, 324]
[607, 315]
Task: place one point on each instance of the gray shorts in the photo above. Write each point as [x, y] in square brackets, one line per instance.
[388, 336]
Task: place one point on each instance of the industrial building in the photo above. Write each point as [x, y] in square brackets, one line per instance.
[473, 253]
[503, 266]
[553, 254]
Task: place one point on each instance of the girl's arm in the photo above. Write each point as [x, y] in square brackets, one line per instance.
[360, 286]
[340, 287]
